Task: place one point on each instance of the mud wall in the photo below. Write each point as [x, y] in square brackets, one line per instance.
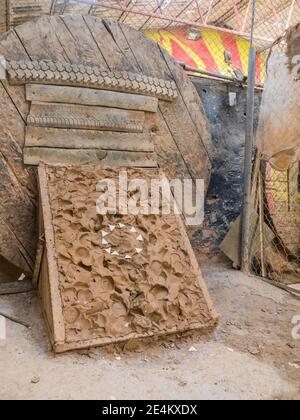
[223, 204]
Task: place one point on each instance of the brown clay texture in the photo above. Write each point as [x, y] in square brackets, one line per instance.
[154, 291]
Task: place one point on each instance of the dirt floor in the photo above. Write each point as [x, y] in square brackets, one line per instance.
[251, 354]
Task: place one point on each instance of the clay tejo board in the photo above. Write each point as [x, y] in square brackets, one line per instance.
[108, 279]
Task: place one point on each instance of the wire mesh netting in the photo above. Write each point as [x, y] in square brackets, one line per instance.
[275, 236]
[275, 232]
[210, 35]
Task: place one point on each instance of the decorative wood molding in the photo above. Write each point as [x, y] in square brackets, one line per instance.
[56, 73]
[85, 117]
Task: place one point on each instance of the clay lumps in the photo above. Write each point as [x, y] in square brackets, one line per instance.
[120, 275]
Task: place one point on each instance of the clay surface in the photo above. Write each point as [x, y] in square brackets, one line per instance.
[121, 276]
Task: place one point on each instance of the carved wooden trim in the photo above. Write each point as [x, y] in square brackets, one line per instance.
[81, 123]
[85, 117]
[51, 72]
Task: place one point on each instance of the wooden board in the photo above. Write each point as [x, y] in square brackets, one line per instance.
[87, 139]
[85, 96]
[85, 117]
[180, 133]
[35, 155]
[231, 245]
[146, 308]
[15, 287]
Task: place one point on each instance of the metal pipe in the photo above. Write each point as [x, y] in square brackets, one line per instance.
[274, 12]
[290, 15]
[246, 17]
[199, 11]
[249, 142]
[209, 73]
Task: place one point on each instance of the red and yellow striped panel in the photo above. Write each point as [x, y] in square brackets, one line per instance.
[208, 52]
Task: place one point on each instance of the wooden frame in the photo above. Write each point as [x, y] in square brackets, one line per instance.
[46, 278]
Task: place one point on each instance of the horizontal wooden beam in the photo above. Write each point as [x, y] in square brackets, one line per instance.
[15, 287]
[87, 139]
[85, 96]
[37, 155]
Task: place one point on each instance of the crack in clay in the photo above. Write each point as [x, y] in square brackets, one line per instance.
[155, 291]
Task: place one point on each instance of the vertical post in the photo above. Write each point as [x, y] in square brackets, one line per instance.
[7, 13]
[261, 222]
[249, 141]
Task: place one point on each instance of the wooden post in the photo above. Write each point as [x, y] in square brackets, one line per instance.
[261, 224]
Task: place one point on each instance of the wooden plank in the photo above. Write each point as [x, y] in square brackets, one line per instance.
[192, 101]
[34, 156]
[51, 260]
[72, 50]
[40, 40]
[44, 293]
[85, 96]
[11, 250]
[17, 189]
[119, 39]
[87, 139]
[115, 58]
[168, 155]
[295, 287]
[15, 287]
[11, 48]
[85, 117]
[17, 221]
[84, 41]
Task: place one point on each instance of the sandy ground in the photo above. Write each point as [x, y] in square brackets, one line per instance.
[250, 355]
